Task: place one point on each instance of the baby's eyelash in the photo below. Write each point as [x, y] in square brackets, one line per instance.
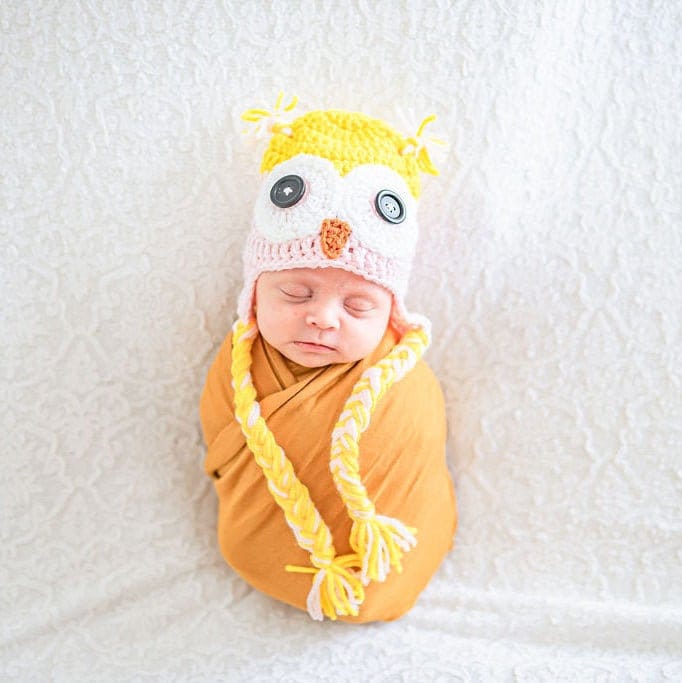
[359, 309]
[298, 296]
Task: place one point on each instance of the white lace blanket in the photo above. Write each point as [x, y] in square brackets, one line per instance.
[550, 264]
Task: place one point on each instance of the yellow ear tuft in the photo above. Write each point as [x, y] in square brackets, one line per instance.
[417, 145]
[267, 122]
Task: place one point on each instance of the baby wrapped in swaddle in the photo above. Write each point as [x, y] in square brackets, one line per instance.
[325, 429]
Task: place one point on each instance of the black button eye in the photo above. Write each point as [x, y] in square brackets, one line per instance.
[287, 191]
[390, 207]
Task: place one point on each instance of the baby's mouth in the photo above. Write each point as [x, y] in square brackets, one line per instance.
[313, 346]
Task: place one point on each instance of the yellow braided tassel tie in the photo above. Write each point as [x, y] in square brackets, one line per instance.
[379, 541]
[336, 590]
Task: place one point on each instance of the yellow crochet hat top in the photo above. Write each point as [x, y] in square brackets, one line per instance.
[347, 139]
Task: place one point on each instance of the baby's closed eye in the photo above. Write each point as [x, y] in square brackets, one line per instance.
[359, 304]
[295, 291]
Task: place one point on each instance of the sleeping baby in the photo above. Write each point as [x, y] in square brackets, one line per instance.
[325, 429]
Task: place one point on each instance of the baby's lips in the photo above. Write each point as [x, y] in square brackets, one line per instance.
[334, 234]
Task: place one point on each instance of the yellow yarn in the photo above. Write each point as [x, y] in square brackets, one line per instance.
[254, 115]
[379, 541]
[347, 139]
[336, 591]
[415, 143]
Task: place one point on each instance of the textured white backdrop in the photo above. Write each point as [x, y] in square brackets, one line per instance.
[550, 264]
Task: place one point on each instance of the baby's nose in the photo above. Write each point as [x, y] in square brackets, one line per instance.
[334, 234]
[323, 316]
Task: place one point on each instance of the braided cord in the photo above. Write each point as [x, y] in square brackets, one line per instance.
[336, 589]
[379, 541]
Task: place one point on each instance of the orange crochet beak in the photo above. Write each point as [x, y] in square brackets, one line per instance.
[334, 234]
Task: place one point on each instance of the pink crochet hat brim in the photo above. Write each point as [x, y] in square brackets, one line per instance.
[261, 255]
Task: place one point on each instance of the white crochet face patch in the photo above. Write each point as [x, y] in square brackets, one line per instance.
[351, 198]
[322, 189]
[361, 187]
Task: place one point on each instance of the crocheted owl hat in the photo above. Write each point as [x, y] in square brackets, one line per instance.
[340, 191]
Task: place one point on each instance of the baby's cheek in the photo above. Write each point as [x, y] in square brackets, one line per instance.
[367, 335]
[292, 314]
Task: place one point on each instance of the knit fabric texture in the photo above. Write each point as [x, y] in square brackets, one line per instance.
[344, 160]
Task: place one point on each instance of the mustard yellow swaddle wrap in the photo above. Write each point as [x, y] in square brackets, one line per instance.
[402, 460]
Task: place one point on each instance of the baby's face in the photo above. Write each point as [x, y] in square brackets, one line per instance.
[318, 316]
